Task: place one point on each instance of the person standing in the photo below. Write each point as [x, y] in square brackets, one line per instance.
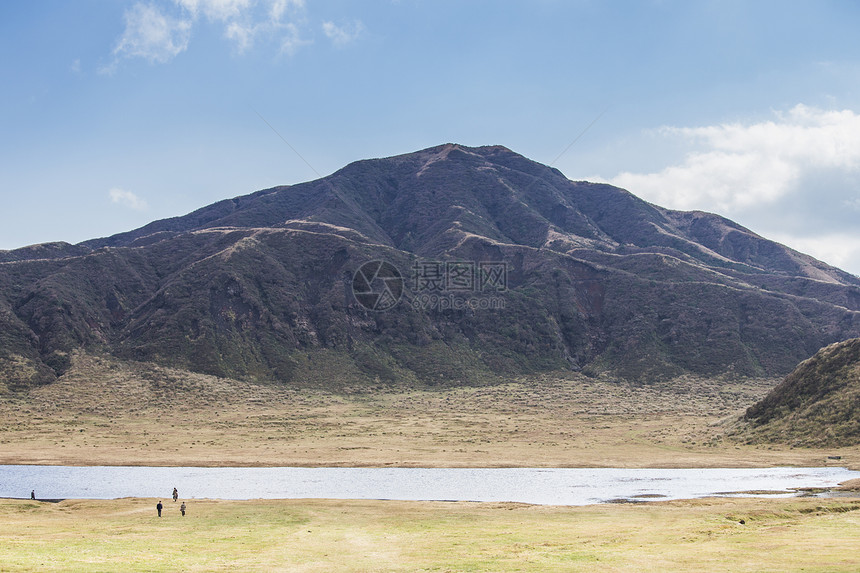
[175, 495]
[182, 509]
[33, 494]
[159, 507]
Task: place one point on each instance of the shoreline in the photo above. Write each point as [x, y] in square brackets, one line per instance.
[642, 457]
[850, 467]
[799, 493]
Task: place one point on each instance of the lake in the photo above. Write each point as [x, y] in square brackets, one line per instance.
[553, 486]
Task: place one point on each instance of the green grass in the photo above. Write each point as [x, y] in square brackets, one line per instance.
[328, 535]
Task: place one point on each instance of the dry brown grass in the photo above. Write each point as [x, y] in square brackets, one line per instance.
[106, 412]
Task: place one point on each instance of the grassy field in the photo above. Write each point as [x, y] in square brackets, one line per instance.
[113, 413]
[106, 412]
[326, 535]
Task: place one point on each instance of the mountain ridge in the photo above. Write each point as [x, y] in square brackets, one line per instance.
[596, 280]
[697, 224]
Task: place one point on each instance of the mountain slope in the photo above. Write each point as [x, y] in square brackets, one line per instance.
[491, 192]
[261, 286]
[818, 404]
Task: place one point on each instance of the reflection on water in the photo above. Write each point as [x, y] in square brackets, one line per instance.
[561, 486]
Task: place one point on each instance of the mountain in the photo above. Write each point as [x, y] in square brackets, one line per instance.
[818, 404]
[498, 265]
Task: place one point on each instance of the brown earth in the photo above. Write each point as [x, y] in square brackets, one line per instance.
[106, 412]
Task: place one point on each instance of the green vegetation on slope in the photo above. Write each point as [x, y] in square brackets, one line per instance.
[816, 405]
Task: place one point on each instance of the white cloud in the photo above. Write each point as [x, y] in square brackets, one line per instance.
[737, 166]
[342, 35]
[852, 203]
[271, 23]
[152, 35]
[246, 21]
[216, 9]
[841, 250]
[279, 7]
[160, 30]
[794, 178]
[291, 41]
[127, 199]
[242, 35]
[230, 10]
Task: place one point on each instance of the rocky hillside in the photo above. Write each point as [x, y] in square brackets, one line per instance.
[818, 404]
[504, 266]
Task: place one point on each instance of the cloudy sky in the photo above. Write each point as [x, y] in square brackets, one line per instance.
[114, 113]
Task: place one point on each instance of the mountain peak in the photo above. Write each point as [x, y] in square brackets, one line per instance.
[595, 279]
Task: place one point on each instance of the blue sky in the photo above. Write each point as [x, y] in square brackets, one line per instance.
[114, 113]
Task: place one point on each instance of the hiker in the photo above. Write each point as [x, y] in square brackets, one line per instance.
[33, 494]
[159, 507]
[182, 509]
[175, 495]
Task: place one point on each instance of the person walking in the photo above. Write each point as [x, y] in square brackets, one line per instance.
[175, 495]
[182, 509]
[159, 507]
[33, 494]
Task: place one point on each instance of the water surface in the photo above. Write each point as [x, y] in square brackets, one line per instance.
[554, 486]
